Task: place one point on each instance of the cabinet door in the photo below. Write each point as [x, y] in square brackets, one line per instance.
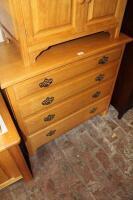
[101, 11]
[44, 18]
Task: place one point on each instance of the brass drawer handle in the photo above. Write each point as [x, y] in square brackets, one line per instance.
[48, 101]
[103, 60]
[50, 133]
[93, 110]
[46, 83]
[100, 77]
[49, 118]
[96, 94]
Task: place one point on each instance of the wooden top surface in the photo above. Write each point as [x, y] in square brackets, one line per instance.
[13, 71]
[11, 137]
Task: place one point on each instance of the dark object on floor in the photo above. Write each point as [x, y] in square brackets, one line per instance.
[122, 98]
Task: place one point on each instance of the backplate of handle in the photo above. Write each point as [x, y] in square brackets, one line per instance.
[46, 83]
[49, 118]
[103, 60]
[48, 101]
[100, 77]
[93, 110]
[96, 94]
[50, 133]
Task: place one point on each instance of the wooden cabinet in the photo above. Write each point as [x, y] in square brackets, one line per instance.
[9, 172]
[69, 84]
[13, 166]
[35, 25]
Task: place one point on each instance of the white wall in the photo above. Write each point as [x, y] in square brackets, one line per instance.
[1, 39]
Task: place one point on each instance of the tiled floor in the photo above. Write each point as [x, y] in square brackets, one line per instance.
[91, 162]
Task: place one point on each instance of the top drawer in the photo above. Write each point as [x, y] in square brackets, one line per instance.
[44, 81]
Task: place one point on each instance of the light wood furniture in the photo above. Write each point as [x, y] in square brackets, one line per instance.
[69, 84]
[35, 25]
[13, 166]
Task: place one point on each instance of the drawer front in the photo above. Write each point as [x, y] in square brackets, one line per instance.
[44, 81]
[59, 111]
[60, 127]
[43, 100]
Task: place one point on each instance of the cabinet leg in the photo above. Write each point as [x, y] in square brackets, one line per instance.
[35, 55]
[21, 163]
[31, 150]
[114, 33]
[104, 113]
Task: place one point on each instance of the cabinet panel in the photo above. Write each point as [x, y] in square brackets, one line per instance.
[3, 176]
[51, 14]
[8, 169]
[43, 17]
[101, 10]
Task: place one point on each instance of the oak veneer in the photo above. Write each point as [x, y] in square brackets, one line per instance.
[34, 26]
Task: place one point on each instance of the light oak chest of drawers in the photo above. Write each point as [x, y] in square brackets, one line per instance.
[33, 26]
[69, 84]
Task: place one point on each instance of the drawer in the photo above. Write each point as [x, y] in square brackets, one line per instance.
[45, 99]
[71, 105]
[53, 131]
[44, 81]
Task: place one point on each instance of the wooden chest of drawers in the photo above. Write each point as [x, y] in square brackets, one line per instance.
[70, 83]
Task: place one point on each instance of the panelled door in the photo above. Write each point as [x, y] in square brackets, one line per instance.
[99, 11]
[47, 18]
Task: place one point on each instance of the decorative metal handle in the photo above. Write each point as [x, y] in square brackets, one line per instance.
[96, 94]
[93, 110]
[50, 133]
[46, 83]
[103, 60]
[48, 101]
[49, 118]
[100, 77]
[81, 1]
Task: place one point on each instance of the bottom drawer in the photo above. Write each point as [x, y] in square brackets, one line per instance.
[58, 128]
